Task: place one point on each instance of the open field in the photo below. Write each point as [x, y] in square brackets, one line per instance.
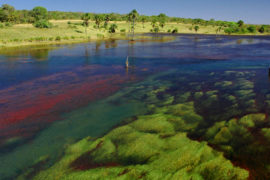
[64, 32]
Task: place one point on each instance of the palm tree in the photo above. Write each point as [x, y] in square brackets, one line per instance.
[133, 15]
[86, 17]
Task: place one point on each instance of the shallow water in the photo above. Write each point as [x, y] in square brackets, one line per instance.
[51, 97]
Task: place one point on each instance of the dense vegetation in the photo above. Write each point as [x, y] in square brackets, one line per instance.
[39, 17]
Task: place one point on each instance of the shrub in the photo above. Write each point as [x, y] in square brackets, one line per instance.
[43, 24]
[72, 37]
[58, 38]
[1, 25]
[169, 30]
[40, 38]
[68, 22]
[66, 38]
[175, 30]
[252, 29]
[112, 28]
[123, 30]
[51, 39]
[8, 24]
[262, 29]
[156, 29]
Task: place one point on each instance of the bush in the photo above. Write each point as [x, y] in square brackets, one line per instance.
[43, 24]
[8, 24]
[262, 29]
[58, 38]
[66, 38]
[169, 31]
[175, 31]
[1, 25]
[40, 39]
[252, 29]
[51, 39]
[72, 37]
[68, 22]
[123, 30]
[156, 30]
[112, 28]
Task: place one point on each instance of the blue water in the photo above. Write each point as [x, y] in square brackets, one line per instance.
[189, 63]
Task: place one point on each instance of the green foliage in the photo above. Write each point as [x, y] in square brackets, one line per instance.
[240, 23]
[156, 30]
[262, 29]
[58, 38]
[252, 29]
[162, 18]
[98, 20]
[123, 30]
[8, 24]
[43, 24]
[169, 30]
[1, 25]
[86, 17]
[39, 13]
[153, 147]
[196, 28]
[175, 30]
[113, 28]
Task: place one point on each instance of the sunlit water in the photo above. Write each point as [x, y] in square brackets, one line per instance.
[53, 97]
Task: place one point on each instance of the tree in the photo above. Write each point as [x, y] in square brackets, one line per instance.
[107, 18]
[98, 20]
[196, 28]
[133, 16]
[162, 20]
[113, 28]
[154, 22]
[143, 20]
[240, 23]
[40, 13]
[8, 13]
[86, 17]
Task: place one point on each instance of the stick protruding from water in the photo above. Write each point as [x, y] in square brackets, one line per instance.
[127, 63]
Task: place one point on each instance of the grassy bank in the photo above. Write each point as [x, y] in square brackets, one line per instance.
[65, 31]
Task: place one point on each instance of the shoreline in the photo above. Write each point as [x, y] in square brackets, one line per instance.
[71, 32]
[119, 36]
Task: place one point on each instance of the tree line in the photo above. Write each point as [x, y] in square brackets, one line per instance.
[39, 16]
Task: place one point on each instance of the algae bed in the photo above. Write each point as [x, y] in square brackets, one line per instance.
[196, 107]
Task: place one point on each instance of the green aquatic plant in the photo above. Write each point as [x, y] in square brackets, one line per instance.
[151, 147]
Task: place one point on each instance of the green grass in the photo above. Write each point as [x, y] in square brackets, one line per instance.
[73, 32]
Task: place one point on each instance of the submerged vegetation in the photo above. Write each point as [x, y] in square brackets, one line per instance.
[183, 135]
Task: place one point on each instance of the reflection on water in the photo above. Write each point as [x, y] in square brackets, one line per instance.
[69, 92]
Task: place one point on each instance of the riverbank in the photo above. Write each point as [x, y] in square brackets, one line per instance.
[70, 32]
